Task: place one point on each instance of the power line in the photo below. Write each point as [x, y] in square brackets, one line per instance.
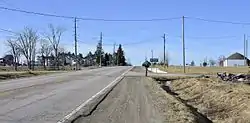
[36, 13]
[217, 21]
[206, 37]
[218, 37]
[5, 30]
[80, 18]
[141, 42]
[130, 20]
[101, 19]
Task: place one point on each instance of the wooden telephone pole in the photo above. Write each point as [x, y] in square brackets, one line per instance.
[76, 59]
[183, 46]
[164, 49]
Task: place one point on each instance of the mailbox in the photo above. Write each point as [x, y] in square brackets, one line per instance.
[146, 64]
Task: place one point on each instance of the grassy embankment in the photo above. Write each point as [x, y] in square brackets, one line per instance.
[219, 101]
[205, 70]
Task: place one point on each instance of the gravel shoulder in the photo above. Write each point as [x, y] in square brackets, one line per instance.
[128, 102]
[141, 100]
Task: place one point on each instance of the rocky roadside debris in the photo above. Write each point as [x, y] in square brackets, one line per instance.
[234, 78]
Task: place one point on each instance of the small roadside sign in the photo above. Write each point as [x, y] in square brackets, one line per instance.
[154, 60]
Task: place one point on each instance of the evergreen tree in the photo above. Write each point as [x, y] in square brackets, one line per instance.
[99, 53]
[120, 56]
[192, 63]
[89, 59]
[106, 59]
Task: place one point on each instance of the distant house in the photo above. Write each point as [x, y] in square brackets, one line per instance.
[236, 59]
[1, 62]
[7, 60]
[69, 60]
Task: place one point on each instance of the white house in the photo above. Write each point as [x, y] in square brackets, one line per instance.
[235, 59]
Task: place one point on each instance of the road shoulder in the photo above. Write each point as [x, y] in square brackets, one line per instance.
[140, 100]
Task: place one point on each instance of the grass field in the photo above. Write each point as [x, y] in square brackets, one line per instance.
[37, 68]
[14, 75]
[205, 70]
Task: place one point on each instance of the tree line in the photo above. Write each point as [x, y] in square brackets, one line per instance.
[51, 53]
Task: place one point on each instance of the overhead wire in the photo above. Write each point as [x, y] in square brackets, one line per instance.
[9, 31]
[35, 13]
[139, 42]
[81, 18]
[217, 21]
[102, 19]
[208, 38]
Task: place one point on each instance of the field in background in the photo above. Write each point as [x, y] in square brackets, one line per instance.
[205, 70]
[14, 75]
[37, 68]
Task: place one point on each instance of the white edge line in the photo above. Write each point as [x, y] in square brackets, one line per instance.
[68, 117]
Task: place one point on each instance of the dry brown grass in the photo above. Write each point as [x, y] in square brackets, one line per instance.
[14, 75]
[172, 109]
[205, 70]
[37, 68]
[221, 102]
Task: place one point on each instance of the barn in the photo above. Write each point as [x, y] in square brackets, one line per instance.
[236, 59]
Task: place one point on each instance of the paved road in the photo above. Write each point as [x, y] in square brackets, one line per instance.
[49, 98]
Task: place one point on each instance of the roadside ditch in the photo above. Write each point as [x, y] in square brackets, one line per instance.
[210, 99]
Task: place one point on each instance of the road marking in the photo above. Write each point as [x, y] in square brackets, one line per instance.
[76, 112]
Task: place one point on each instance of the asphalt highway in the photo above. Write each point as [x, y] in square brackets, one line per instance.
[48, 98]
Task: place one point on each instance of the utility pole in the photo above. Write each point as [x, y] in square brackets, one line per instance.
[245, 49]
[152, 56]
[183, 45]
[101, 49]
[114, 56]
[76, 44]
[164, 49]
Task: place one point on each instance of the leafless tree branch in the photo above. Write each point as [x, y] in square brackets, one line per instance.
[54, 37]
[27, 40]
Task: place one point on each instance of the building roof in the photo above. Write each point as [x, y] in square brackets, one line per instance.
[8, 57]
[237, 56]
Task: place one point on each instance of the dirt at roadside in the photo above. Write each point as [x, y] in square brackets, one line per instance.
[140, 100]
[221, 102]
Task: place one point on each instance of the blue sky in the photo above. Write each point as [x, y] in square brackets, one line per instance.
[201, 41]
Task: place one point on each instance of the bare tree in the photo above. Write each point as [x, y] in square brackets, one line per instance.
[221, 60]
[27, 40]
[54, 37]
[15, 51]
[212, 62]
[61, 56]
[45, 51]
